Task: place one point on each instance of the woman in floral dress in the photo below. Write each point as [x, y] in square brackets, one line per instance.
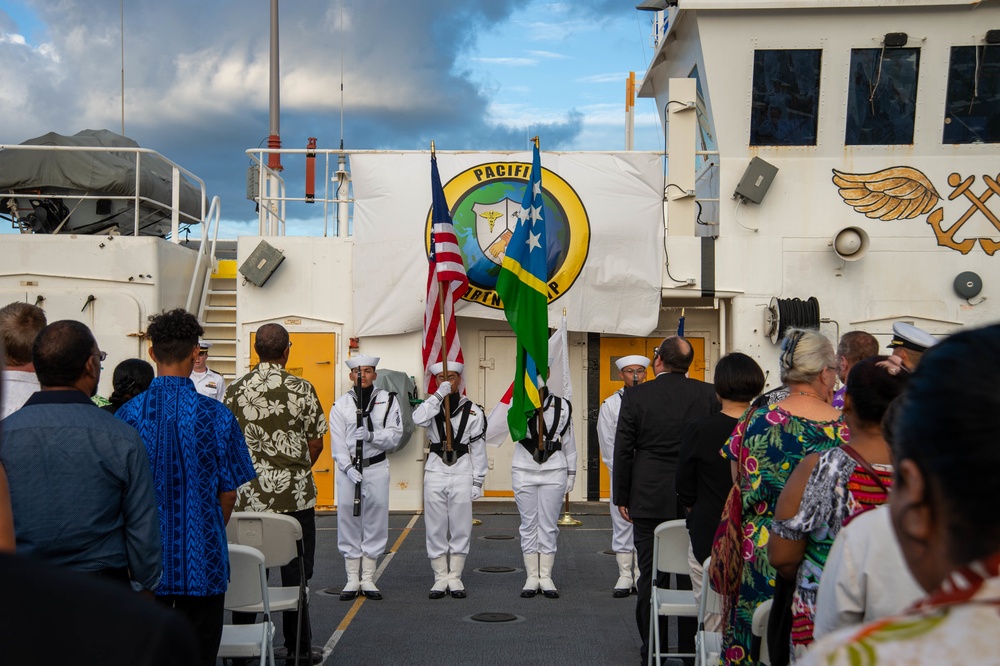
[764, 454]
[829, 489]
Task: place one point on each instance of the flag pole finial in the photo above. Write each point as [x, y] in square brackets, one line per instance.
[535, 140]
[433, 153]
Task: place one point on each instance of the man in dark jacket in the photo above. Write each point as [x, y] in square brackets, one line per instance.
[647, 443]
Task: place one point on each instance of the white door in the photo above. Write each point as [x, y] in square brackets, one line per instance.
[496, 374]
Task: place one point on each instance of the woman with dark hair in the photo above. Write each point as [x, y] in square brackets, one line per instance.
[828, 489]
[764, 449]
[703, 476]
[943, 513]
[132, 377]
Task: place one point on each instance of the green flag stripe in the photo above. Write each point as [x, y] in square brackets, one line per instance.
[525, 277]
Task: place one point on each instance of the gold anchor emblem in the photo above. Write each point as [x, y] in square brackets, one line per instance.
[906, 193]
[946, 237]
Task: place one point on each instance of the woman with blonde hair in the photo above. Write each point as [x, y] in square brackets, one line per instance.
[763, 450]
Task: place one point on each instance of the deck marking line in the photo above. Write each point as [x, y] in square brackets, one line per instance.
[341, 629]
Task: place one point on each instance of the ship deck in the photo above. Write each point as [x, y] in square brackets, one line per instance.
[584, 626]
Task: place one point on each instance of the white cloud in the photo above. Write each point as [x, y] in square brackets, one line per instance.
[613, 77]
[551, 55]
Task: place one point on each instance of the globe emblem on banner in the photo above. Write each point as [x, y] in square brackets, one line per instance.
[485, 202]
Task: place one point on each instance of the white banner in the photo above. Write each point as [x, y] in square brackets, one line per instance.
[603, 215]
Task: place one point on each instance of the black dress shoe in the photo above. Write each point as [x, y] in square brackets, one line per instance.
[550, 594]
[458, 594]
[374, 595]
[348, 596]
[527, 594]
[436, 594]
[620, 592]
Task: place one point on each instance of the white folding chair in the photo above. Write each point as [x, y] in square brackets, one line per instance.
[247, 586]
[758, 627]
[279, 538]
[708, 644]
[670, 549]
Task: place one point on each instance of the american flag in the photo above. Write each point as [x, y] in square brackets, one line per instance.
[445, 274]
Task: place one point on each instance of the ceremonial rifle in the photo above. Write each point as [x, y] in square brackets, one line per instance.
[360, 445]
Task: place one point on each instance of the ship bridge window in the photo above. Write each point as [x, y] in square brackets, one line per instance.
[882, 96]
[785, 97]
[972, 109]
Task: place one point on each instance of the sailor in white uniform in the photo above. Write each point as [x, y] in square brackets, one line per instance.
[207, 382]
[633, 371]
[540, 479]
[361, 539]
[451, 481]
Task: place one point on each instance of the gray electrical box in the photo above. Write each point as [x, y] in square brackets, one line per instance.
[261, 263]
[253, 182]
[755, 181]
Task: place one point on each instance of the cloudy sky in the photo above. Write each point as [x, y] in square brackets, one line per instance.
[478, 74]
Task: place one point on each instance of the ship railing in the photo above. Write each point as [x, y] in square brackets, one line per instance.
[205, 263]
[176, 214]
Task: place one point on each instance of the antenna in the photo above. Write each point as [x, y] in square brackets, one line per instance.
[341, 74]
[122, 19]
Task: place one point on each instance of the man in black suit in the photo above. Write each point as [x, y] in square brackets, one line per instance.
[647, 443]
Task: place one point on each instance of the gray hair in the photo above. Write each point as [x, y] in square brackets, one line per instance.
[805, 354]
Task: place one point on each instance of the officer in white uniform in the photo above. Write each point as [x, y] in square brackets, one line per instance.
[361, 539]
[451, 483]
[206, 381]
[633, 371]
[540, 480]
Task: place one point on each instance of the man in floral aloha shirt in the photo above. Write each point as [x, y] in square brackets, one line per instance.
[283, 423]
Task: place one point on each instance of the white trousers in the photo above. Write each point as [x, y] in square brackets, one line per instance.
[713, 621]
[538, 495]
[621, 532]
[365, 535]
[447, 510]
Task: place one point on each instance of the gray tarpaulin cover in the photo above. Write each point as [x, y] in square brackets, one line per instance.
[402, 385]
[93, 172]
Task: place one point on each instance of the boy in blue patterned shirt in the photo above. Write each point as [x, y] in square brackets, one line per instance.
[199, 459]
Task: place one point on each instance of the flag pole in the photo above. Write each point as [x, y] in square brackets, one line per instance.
[567, 520]
[449, 450]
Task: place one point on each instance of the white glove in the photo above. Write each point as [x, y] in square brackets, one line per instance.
[354, 475]
[477, 492]
[444, 388]
[570, 482]
[362, 433]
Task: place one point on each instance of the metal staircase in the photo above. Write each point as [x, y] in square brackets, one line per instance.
[219, 319]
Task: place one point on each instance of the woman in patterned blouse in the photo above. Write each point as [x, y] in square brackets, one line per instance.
[944, 514]
[764, 454]
[827, 489]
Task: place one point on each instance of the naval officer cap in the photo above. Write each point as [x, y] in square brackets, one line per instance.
[909, 336]
[204, 344]
[453, 366]
[634, 359]
[362, 361]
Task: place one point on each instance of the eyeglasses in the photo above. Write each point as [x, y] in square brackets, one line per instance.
[101, 355]
[289, 344]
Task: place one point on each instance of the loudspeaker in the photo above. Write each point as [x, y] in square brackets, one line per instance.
[261, 263]
[850, 243]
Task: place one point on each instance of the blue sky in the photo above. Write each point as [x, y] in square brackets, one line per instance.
[471, 75]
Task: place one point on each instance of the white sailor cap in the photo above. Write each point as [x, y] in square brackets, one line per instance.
[634, 359]
[204, 344]
[453, 366]
[909, 336]
[362, 361]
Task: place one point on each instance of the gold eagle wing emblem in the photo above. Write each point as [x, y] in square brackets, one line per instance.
[896, 193]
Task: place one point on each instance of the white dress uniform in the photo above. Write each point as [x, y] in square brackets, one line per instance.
[448, 489]
[621, 529]
[607, 425]
[209, 383]
[364, 537]
[539, 489]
